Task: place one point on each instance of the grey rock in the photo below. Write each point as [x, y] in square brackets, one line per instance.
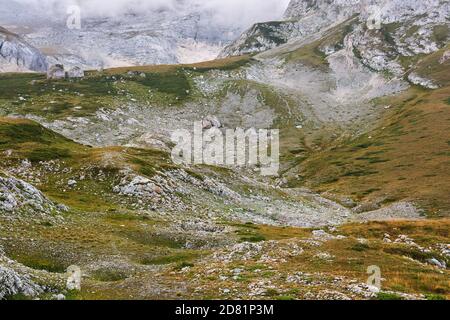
[75, 72]
[56, 72]
[437, 263]
[71, 183]
[13, 283]
[17, 195]
[18, 55]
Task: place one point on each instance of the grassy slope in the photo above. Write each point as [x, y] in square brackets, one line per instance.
[161, 85]
[401, 265]
[406, 157]
[26, 139]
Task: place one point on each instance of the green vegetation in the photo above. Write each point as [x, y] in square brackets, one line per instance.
[379, 163]
[40, 261]
[108, 275]
[441, 34]
[58, 99]
[360, 247]
[182, 258]
[435, 297]
[388, 296]
[266, 30]
[151, 239]
[387, 31]
[405, 156]
[175, 83]
[409, 252]
[32, 141]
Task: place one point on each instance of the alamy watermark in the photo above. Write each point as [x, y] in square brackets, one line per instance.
[73, 21]
[249, 148]
[374, 21]
[73, 278]
[374, 279]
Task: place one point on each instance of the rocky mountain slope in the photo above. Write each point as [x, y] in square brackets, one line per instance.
[384, 35]
[18, 55]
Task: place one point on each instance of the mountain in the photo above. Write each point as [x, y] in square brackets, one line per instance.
[165, 36]
[18, 55]
[406, 30]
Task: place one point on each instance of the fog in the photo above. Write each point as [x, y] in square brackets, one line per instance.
[239, 13]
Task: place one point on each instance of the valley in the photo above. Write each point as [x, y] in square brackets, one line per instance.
[87, 179]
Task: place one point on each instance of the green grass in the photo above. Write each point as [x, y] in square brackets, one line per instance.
[253, 238]
[47, 154]
[409, 252]
[108, 275]
[228, 64]
[18, 297]
[13, 132]
[360, 247]
[388, 296]
[175, 83]
[441, 34]
[14, 84]
[150, 239]
[39, 261]
[285, 298]
[434, 297]
[32, 141]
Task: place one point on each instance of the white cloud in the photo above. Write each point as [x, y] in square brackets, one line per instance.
[241, 13]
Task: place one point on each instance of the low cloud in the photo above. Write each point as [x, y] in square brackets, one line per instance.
[239, 13]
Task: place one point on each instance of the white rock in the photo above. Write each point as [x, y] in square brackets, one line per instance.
[56, 72]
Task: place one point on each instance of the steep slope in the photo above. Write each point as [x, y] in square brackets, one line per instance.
[353, 77]
[319, 103]
[405, 156]
[119, 243]
[384, 35]
[18, 55]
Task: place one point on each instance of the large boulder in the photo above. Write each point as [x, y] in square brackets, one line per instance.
[17, 196]
[56, 72]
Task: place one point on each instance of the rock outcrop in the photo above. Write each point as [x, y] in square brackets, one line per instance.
[18, 55]
[12, 283]
[19, 196]
[75, 72]
[378, 33]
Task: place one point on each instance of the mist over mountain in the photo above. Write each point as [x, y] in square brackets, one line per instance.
[118, 32]
[232, 13]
